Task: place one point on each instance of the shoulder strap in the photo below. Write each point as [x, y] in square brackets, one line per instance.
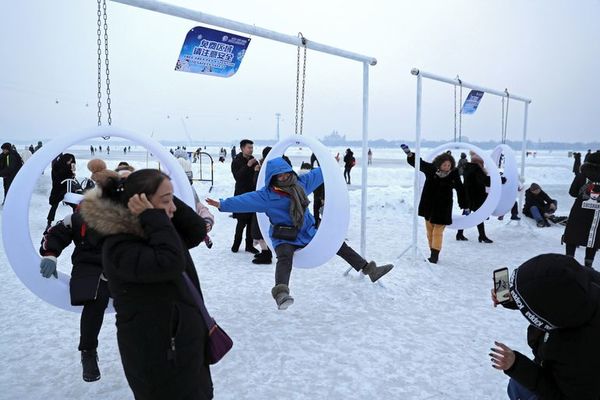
[208, 320]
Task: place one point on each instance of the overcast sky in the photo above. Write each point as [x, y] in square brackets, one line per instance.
[546, 50]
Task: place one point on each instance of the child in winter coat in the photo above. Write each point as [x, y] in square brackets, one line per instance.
[560, 299]
[284, 200]
[441, 177]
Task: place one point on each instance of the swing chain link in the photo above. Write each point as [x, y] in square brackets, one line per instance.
[300, 98]
[99, 42]
[108, 101]
[505, 116]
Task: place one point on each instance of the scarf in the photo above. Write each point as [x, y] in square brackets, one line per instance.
[298, 199]
[442, 174]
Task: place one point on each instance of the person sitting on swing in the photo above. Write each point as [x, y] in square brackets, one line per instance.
[284, 200]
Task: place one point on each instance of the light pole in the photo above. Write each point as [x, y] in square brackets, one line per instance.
[278, 115]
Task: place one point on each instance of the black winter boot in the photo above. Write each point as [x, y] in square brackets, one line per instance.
[281, 294]
[264, 257]
[376, 272]
[252, 249]
[434, 256]
[89, 362]
[460, 235]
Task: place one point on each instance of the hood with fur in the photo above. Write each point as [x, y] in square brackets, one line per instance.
[591, 167]
[107, 217]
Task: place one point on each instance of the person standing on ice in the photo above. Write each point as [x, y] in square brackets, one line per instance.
[560, 299]
[10, 164]
[441, 177]
[284, 200]
[161, 334]
[476, 180]
[349, 162]
[63, 168]
[583, 226]
[87, 287]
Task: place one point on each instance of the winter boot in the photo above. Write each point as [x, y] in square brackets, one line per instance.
[281, 294]
[460, 235]
[376, 272]
[252, 249]
[264, 257]
[485, 239]
[435, 254]
[89, 362]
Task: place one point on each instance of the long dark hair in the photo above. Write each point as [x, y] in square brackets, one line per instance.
[141, 181]
[439, 160]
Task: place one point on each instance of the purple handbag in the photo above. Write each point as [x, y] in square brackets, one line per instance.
[219, 342]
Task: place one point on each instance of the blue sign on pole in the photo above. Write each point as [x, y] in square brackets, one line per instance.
[472, 102]
[211, 52]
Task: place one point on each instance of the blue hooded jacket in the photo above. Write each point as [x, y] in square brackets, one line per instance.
[277, 205]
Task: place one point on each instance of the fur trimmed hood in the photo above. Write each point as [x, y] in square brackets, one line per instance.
[108, 218]
[591, 170]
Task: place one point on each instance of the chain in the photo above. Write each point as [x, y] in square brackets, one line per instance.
[99, 42]
[460, 112]
[505, 116]
[300, 98]
[108, 109]
[455, 112]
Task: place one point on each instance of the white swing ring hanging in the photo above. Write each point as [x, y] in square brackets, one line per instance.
[20, 250]
[510, 188]
[336, 213]
[478, 216]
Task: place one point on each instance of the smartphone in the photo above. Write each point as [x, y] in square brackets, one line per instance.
[501, 285]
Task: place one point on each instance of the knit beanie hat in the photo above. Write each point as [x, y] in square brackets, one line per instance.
[554, 291]
[535, 186]
[6, 146]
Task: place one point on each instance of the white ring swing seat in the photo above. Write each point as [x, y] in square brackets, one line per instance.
[20, 251]
[510, 188]
[478, 216]
[336, 214]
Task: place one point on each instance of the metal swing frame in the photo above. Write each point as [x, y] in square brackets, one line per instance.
[212, 170]
[367, 61]
[455, 82]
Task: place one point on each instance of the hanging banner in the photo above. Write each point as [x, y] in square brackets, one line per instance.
[211, 52]
[472, 102]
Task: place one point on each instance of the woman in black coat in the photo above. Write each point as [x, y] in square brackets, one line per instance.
[161, 334]
[349, 162]
[63, 167]
[476, 180]
[583, 226]
[441, 177]
[560, 299]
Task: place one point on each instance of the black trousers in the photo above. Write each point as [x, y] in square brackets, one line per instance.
[590, 253]
[92, 317]
[285, 256]
[243, 222]
[347, 174]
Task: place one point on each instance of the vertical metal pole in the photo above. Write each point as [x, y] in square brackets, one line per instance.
[417, 167]
[365, 144]
[278, 115]
[523, 152]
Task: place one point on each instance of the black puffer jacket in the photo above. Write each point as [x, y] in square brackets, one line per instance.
[86, 258]
[540, 200]
[161, 334]
[437, 197]
[244, 179]
[60, 171]
[583, 227]
[10, 164]
[560, 298]
[475, 182]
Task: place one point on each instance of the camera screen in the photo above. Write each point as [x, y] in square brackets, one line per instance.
[501, 285]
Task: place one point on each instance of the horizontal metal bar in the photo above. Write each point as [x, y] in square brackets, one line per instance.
[456, 81]
[199, 16]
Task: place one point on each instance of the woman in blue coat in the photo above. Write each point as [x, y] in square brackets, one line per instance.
[284, 200]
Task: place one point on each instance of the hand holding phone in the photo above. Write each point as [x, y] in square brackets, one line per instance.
[501, 288]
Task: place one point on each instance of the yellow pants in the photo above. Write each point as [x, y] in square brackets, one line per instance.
[435, 235]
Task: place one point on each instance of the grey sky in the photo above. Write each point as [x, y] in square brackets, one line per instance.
[543, 49]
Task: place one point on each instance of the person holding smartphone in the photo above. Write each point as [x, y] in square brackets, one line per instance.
[560, 299]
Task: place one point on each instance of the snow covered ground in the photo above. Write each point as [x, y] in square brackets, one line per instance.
[423, 334]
